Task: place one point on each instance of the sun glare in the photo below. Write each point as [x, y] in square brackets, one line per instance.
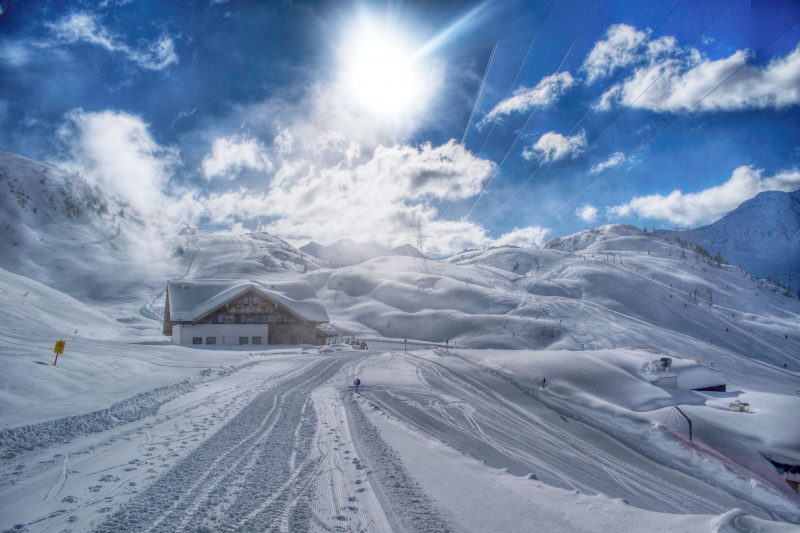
[380, 72]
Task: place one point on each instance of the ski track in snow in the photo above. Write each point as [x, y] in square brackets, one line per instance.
[401, 496]
[254, 474]
[483, 416]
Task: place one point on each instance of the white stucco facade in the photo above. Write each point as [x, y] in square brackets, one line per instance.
[224, 334]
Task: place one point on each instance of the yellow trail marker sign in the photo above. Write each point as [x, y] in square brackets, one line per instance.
[58, 349]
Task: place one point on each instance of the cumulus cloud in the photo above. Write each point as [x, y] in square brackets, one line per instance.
[669, 78]
[341, 191]
[709, 204]
[548, 90]
[620, 47]
[116, 151]
[553, 147]
[87, 28]
[587, 213]
[528, 237]
[614, 160]
[231, 155]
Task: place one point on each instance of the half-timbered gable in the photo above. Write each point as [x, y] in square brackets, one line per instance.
[234, 312]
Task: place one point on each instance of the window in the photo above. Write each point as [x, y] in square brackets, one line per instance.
[254, 300]
[197, 340]
[242, 340]
[218, 319]
[256, 340]
[237, 319]
[211, 340]
[283, 319]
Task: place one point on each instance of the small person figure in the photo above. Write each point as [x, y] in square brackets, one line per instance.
[357, 382]
[544, 382]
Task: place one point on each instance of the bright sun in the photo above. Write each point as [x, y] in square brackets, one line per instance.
[380, 72]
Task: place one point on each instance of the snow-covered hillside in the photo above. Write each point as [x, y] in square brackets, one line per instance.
[762, 235]
[346, 252]
[613, 286]
[540, 408]
[72, 236]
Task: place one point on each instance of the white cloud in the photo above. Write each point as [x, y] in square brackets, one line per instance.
[231, 155]
[116, 151]
[335, 190]
[587, 213]
[709, 204]
[549, 89]
[668, 78]
[614, 160]
[528, 237]
[16, 53]
[87, 28]
[621, 47]
[553, 147]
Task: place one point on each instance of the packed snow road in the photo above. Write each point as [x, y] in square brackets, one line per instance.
[429, 444]
[267, 448]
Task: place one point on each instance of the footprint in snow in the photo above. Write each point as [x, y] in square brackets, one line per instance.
[95, 488]
[109, 479]
[69, 499]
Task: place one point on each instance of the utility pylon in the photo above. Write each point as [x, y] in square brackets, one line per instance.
[420, 236]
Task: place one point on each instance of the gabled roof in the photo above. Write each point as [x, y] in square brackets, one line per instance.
[191, 300]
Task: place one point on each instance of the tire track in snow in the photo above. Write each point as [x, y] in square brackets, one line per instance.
[211, 490]
[407, 506]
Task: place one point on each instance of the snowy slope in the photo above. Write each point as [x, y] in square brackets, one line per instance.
[72, 236]
[622, 288]
[762, 235]
[130, 434]
[346, 252]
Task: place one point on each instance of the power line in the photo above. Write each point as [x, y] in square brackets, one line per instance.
[478, 96]
[516, 77]
[608, 125]
[510, 90]
[616, 78]
[606, 128]
[619, 73]
[670, 123]
[519, 135]
[485, 73]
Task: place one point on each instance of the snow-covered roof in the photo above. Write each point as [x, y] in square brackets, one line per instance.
[326, 328]
[191, 300]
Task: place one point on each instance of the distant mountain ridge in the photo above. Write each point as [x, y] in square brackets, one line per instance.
[762, 235]
[62, 231]
[346, 252]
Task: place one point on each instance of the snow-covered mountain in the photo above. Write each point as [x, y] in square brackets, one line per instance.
[478, 427]
[762, 235]
[70, 235]
[346, 252]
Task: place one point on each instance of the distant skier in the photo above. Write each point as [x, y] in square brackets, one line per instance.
[357, 382]
[544, 382]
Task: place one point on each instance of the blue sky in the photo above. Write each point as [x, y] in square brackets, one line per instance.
[345, 120]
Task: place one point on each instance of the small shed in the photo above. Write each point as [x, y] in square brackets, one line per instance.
[739, 406]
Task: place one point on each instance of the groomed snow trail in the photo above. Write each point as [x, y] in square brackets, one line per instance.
[255, 474]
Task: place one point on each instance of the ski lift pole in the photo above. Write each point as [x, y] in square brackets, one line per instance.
[687, 420]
